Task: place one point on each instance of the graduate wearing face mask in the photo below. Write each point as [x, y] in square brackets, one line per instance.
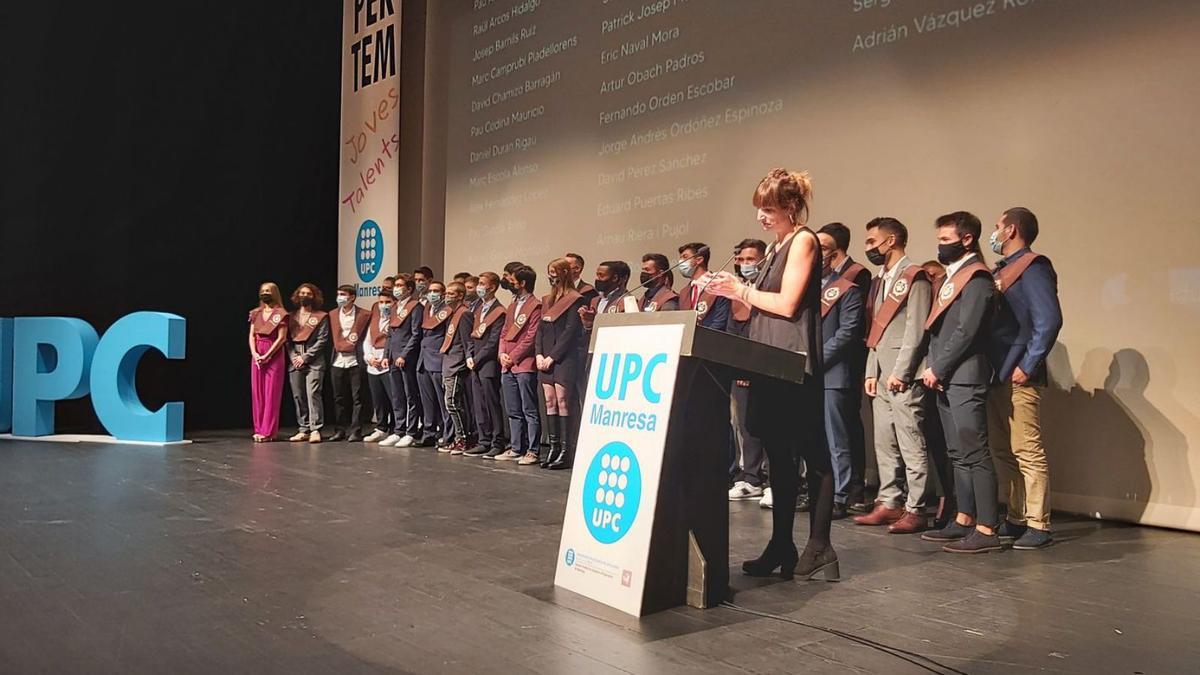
[347, 326]
[378, 366]
[268, 334]
[749, 473]
[658, 282]
[712, 309]
[483, 351]
[404, 343]
[308, 340]
[436, 427]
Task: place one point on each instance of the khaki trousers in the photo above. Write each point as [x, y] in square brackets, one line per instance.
[1015, 421]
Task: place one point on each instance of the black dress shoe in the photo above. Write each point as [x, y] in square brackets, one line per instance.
[774, 556]
[355, 437]
[493, 453]
[476, 451]
[426, 442]
[339, 436]
[839, 512]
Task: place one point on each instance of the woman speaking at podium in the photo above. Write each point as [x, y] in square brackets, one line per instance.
[789, 418]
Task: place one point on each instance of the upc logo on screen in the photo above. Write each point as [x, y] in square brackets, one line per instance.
[369, 251]
[612, 492]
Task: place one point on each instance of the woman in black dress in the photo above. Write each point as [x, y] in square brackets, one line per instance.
[789, 418]
[557, 359]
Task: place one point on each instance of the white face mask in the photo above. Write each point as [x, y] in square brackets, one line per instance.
[343, 300]
[997, 245]
[749, 271]
[687, 268]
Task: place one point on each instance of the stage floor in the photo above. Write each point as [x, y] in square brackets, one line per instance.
[225, 556]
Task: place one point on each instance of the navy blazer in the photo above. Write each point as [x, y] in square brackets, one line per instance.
[485, 351]
[958, 339]
[842, 331]
[431, 345]
[1027, 320]
[405, 340]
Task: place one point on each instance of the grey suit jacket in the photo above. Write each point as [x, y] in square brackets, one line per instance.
[901, 350]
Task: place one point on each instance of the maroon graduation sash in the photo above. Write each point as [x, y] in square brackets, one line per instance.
[496, 313]
[378, 339]
[585, 288]
[346, 344]
[266, 320]
[299, 333]
[561, 305]
[612, 308]
[452, 329]
[514, 321]
[703, 303]
[852, 271]
[1007, 276]
[402, 313]
[433, 320]
[661, 297]
[833, 292]
[896, 298]
[948, 291]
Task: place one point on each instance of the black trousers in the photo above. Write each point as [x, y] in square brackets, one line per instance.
[963, 411]
[347, 398]
[381, 396]
[436, 424]
[935, 443]
[789, 419]
[488, 407]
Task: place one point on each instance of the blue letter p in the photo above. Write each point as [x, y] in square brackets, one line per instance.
[51, 359]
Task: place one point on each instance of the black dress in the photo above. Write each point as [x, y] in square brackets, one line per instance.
[560, 339]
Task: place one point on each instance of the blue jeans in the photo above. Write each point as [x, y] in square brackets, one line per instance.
[521, 401]
[841, 414]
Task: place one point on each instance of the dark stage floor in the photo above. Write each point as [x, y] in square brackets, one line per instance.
[222, 556]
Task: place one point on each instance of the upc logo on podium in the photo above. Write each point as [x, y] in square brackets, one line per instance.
[612, 492]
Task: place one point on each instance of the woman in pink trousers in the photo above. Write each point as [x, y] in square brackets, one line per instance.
[268, 334]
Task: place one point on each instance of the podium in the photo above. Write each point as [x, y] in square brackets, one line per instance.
[647, 521]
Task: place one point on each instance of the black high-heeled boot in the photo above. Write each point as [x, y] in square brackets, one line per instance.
[819, 558]
[554, 441]
[566, 453]
[783, 556]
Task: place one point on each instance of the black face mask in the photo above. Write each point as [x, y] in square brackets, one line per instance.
[876, 257]
[646, 279]
[266, 297]
[305, 302]
[948, 253]
[507, 285]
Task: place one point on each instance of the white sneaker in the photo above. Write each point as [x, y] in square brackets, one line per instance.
[767, 501]
[742, 490]
[390, 441]
[375, 437]
[406, 442]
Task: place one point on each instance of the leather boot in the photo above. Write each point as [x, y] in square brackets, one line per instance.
[554, 440]
[566, 454]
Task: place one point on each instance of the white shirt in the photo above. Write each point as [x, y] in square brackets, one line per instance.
[346, 321]
[486, 307]
[605, 299]
[890, 276]
[370, 351]
[521, 302]
[956, 266]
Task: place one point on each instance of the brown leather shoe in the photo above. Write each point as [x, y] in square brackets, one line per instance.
[881, 515]
[911, 523]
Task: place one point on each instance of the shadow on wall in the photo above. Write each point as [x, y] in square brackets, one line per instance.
[1114, 454]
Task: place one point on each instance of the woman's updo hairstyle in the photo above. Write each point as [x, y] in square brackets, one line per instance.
[787, 190]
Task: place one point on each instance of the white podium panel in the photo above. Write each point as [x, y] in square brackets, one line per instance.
[618, 463]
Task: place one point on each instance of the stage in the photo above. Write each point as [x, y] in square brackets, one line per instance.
[226, 556]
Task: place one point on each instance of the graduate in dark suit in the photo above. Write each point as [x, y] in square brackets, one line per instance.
[1026, 323]
[403, 352]
[959, 371]
[843, 318]
[455, 374]
[483, 354]
[436, 427]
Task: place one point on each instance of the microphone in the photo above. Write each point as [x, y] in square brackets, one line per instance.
[703, 252]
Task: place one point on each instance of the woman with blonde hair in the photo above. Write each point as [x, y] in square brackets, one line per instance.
[557, 351]
[785, 301]
[268, 334]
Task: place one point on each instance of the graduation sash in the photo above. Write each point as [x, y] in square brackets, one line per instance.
[612, 308]
[703, 303]
[661, 297]
[896, 298]
[347, 343]
[950, 288]
[452, 329]
[833, 292]
[267, 319]
[402, 313]
[563, 303]
[300, 333]
[514, 321]
[434, 319]
[496, 313]
[1007, 276]
[378, 338]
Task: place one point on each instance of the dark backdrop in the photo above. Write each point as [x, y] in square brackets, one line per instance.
[168, 158]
